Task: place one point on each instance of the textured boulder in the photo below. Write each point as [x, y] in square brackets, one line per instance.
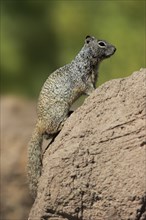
[95, 168]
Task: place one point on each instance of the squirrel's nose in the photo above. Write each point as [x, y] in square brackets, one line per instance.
[115, 49]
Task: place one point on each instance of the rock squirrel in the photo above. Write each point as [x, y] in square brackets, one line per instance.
[58, 93]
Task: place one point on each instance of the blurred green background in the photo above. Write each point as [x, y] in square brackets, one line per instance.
[38, 37]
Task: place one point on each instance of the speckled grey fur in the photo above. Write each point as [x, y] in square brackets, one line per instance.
[58, 93]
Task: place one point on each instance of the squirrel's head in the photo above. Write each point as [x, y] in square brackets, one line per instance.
[98, 49]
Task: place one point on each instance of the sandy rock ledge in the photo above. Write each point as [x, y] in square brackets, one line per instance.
[95, 168]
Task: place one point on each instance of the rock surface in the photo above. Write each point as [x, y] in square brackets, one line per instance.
[95, 168]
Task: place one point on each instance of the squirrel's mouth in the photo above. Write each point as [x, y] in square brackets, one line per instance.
[111, 52]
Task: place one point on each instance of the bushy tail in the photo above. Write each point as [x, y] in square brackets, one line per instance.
[34, 164]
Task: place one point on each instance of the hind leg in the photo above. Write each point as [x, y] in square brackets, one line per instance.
[47, 136]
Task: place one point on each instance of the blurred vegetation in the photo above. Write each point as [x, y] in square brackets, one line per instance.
[38, 37]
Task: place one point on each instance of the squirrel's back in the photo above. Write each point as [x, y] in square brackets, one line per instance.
[62, 86]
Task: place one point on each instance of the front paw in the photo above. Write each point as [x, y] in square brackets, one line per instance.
[89, 90]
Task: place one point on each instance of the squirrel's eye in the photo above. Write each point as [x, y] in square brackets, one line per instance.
[101, 44]
[88, 36]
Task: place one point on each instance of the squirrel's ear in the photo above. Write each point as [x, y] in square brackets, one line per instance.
[88, 39]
